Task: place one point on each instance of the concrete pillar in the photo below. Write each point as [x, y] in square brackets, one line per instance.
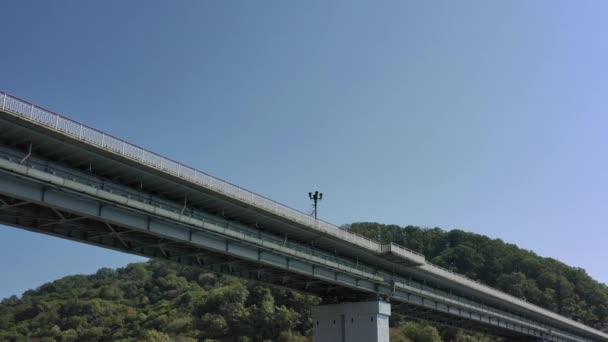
[351, 322]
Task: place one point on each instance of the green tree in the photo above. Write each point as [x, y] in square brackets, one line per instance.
[156, 336]
[420, 332]
[188, 304]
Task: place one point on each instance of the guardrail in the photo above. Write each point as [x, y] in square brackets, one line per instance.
[402, 252]
[110, 143]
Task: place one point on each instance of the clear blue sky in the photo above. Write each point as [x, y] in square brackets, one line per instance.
[488, 116]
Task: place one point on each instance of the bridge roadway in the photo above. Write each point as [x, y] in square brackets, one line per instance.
[61, 178]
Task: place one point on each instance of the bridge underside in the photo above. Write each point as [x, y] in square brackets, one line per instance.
[57, 222]
[423, 314]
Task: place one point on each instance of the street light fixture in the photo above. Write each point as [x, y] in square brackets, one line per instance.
[315, 197]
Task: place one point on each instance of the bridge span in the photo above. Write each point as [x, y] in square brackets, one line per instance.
[65, 179]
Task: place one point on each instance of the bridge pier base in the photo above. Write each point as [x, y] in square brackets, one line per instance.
[351, 322]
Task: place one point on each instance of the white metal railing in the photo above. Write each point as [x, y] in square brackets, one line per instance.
[110, 143]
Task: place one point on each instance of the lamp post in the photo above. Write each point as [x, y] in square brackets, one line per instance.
[315, 197]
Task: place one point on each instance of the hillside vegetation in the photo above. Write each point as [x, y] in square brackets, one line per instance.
[159, 301]
[546, 282]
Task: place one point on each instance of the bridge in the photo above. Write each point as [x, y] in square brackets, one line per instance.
[65, 179]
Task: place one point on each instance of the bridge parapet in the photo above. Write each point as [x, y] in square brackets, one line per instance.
[83, 133]
[400, 255]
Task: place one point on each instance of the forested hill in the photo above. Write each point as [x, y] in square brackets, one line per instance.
[546, 282]
[159, 301]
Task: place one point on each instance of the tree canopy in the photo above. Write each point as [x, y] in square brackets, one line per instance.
[161, 301]
[546, 282]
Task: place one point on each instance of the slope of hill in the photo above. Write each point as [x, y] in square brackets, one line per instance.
[144, 300]
[158, 301]
[546, 282]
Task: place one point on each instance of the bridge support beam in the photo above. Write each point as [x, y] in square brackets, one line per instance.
[351, 322]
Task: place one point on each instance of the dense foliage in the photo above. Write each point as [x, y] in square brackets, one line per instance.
[154, 300]
[158, 301]
[546, 282]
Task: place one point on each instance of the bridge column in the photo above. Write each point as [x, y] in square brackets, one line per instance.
[351, 322]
